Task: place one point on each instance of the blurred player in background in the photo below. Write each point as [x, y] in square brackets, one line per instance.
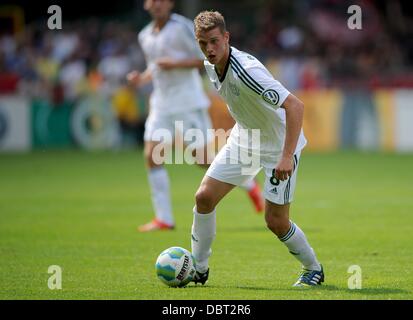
[173, 61]
[256, 101]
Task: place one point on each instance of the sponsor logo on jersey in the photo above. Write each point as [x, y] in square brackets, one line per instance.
[271, 96]
[274, 190]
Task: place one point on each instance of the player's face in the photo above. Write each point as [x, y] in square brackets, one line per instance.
[214, 44]
[159, 9]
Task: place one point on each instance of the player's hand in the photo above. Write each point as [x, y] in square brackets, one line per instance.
[284, 168]
[166, 63]
[133, 78]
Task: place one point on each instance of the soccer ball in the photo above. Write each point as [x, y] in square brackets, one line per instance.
[175, 267]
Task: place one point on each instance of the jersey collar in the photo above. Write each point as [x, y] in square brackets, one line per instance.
[222, 78]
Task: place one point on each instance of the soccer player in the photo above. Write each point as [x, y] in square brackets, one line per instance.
[256, 101]
[173, 62]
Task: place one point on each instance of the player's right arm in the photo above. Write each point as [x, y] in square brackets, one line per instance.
[139, 79]
[136, 78]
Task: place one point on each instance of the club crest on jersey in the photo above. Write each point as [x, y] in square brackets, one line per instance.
[271, 96]
[234, 89]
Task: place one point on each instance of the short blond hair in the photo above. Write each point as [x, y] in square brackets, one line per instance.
[208, 20]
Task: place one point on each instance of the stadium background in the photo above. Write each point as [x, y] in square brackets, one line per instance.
[66, 88]
[63, 94]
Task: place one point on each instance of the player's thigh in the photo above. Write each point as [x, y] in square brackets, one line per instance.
[280, 192]
[277, 211]
[154, 153]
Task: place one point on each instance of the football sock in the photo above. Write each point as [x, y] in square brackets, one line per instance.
[159, 183]
[203, 233]
[249, 185]
[299, 247]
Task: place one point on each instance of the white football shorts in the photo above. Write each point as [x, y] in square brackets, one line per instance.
[228, 169]
[159, 127]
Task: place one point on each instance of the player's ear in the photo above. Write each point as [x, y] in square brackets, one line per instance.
[226, 36]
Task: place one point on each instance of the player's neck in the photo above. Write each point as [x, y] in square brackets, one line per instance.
[220, 66]
[160, 23]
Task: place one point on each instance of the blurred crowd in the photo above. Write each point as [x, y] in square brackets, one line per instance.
[306, 44]
[84, 58]
[84, 55]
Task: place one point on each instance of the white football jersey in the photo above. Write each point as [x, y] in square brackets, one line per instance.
[254, 99]
[176, 90]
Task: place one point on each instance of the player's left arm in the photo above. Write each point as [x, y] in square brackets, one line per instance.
[273, 92]
[294, 111]
[168, 63]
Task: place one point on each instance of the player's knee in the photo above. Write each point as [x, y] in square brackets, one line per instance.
[204, 199]
[150, 161]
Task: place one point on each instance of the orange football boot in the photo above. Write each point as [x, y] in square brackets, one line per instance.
[155, 225]
[256, 198]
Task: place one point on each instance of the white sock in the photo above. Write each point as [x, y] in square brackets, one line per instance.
[159, 183]
[203, 233]
[249, 185]
[299, 247]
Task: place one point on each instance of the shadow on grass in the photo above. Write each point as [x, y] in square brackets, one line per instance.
[365, 291]
[263, 228]
[292, 289]
[326, 287]
[374, 291]
[243, 229]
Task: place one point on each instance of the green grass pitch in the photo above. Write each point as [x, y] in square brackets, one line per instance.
[80, 211]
